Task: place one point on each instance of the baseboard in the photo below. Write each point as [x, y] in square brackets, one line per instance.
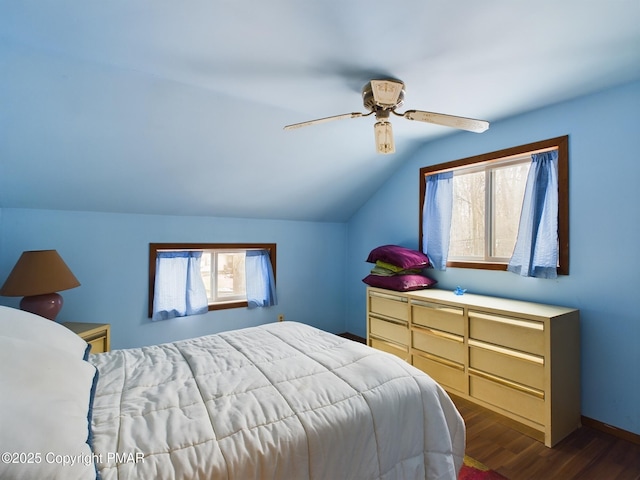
[353, 337]
[611, 430]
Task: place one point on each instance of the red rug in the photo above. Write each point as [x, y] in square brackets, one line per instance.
[474, 470]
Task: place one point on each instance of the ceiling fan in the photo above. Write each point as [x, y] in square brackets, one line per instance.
[382, 97]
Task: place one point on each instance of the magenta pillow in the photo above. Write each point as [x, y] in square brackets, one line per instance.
[400, 283]
[402, 257]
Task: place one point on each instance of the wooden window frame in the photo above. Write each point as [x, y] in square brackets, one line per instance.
[562, 144]
[155, 247]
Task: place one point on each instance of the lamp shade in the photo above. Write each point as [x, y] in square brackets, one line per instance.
[38, 272]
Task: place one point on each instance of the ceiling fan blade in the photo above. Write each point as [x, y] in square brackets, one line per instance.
[323, 120]
[470, 124]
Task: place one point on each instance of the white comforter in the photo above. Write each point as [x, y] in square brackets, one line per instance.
[280, 401]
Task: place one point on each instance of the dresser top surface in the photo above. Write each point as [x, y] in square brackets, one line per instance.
[484, 302]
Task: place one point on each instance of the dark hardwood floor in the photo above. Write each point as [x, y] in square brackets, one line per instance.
[586, 454]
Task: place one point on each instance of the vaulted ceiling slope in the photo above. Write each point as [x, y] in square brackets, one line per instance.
[170, 107]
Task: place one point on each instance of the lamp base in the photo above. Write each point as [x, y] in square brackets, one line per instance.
[47, 305]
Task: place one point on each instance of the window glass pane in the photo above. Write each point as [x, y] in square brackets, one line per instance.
[467, 221]
[508, 191]
[230, 275]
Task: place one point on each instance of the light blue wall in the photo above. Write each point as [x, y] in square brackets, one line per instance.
[604, 163]
[109, 255]
[320, 265]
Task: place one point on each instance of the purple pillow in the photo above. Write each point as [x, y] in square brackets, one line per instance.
[400, 283]
[402, 257]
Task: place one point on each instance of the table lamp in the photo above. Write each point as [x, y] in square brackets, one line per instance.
[37, 276]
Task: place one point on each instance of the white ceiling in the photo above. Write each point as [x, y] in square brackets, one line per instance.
[172, 107]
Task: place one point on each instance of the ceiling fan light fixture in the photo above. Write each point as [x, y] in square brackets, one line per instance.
[384, 137]
[387, 93]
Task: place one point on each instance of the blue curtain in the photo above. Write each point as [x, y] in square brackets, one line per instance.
[261, 286]
[179, 290]
[436, 218]
[536, 250]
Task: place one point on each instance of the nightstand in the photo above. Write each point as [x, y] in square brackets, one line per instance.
[98, 335]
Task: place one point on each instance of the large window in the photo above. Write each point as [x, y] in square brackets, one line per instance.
[488, 193]
[222, 268]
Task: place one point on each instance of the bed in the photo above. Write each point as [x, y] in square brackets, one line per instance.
[278, 401]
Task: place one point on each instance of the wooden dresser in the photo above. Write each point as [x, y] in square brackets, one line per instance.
[98, 335]
[519, 359]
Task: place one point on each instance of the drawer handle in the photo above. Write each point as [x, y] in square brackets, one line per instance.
[507, 383]
[97, 336]
[435, 306]
[438, 333]
[507, 351]
[389, 297]
[508, 321]
[395, 321]
[443, 361]
[388, 342]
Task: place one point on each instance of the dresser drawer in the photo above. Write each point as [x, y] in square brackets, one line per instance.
[448, 375]
[515, 401]
[441, 344]
[99, 345]
[441, 317]
[516, 333]
[396, 332]
[389, 306]
[395, 349]
[521, 368]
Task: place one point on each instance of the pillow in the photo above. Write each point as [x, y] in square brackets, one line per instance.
[16, 323]
[401, 257]
[386, 269]
[400, 283]
[44, 412]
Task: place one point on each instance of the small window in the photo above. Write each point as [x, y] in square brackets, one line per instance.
[222, 267]
[488, 192]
